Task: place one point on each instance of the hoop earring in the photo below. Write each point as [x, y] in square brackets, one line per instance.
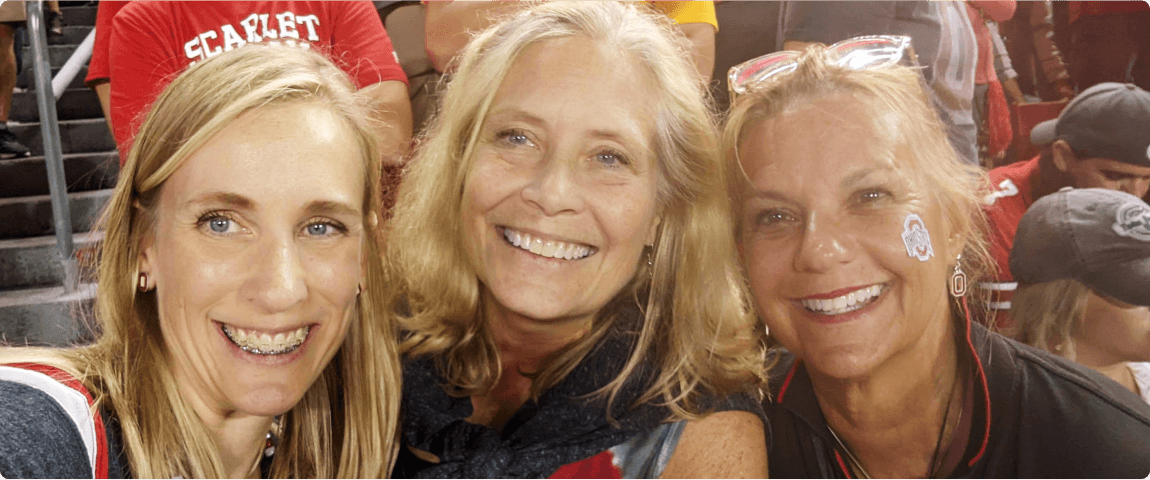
[142, 282]
[958, 279]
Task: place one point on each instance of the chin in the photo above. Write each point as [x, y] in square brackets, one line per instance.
[268, 401]
[843, 363]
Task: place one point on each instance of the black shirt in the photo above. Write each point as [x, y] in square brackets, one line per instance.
[1035, 415]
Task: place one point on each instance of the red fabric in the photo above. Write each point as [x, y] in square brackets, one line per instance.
[1012, 196]
[998, 128]
[999, 11]
[98, 66]
[152, 42]
[599, 466]
[1078, 9]
[71, 382]
[787, 382]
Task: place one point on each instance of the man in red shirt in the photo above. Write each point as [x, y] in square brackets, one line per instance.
[152, 42]
[1101, 140]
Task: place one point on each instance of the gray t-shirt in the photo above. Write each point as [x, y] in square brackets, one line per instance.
[38, 438]
[942, 38]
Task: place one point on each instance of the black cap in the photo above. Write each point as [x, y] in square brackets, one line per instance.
[1108, 120]
[1097, 236]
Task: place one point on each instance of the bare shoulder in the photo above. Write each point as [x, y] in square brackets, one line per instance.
[721, 445]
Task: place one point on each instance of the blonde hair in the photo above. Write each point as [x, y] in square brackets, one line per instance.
[696, 329]
[1047, 314]
[915, 142]
[346, 424]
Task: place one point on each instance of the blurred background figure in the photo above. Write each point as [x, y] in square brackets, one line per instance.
[1082, 260]
[1110, 42]
[11, 17]
[1099, 141]
[1029, 37]
[151, 42]
[943, 40]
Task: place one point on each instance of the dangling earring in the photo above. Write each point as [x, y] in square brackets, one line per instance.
[142, 282]
[958, 279]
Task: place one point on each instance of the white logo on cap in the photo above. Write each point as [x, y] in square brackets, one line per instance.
[1133, 221]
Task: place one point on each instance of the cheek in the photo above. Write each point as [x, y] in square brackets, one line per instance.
[335, 272]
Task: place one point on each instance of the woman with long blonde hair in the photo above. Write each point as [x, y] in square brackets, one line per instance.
[240, 333]
[569, 295]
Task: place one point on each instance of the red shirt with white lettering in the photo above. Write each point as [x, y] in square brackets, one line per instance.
[152, 42]
[1012, 196]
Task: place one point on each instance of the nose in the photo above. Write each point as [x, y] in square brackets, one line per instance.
[554, 187]
[277, 282]
[822, 247]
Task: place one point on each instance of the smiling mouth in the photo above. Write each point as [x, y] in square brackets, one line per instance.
[264, 343]
[845, 303]
[547, 248]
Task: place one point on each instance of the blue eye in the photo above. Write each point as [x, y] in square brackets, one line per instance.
[318, 229]
[219, 224]
[514, 137]
[611, 158]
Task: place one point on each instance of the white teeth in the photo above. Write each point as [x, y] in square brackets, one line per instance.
[549, 248]
[266, 344]
[845, 303]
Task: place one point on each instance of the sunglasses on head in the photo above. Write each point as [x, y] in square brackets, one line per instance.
[857, 53]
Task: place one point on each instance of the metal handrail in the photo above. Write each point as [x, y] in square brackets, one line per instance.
[50, 131]
[72, 67]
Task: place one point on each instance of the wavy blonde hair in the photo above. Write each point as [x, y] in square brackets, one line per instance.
[696, 329]
[346, 424]
[915, 142]
[1046, 315]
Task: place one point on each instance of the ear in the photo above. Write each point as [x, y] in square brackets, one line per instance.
[653, 231]
[1062, 155]
[145, 260]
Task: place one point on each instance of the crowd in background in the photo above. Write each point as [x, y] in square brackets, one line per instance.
[1064, 271]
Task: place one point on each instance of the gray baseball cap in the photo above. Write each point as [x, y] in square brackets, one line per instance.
[1108, 120]
[1097, 236]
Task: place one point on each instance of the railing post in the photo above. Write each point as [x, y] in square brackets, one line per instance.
[50, 131]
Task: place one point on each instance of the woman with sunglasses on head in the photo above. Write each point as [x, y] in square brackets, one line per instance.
[569, 294]
[859, 230]
[1094, 307]
[239, 297]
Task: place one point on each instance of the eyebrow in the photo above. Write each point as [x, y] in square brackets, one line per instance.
[240, 202]
[329, 207]
[228, 199]
[859, 176]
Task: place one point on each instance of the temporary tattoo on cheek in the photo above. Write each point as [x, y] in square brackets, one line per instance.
[916, 238]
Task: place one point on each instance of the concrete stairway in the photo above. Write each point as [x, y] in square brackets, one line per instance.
[34, 309]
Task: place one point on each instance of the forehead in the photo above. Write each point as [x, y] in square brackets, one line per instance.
[295, 153]
[579, 81]
[826, 138]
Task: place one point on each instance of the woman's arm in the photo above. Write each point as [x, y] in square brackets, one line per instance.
[38, 439]
[721, 445]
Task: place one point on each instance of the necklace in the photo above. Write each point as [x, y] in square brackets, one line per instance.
[935, 461]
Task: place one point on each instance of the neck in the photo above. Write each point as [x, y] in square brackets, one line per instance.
[524, 342]
[240, 437]
[524, 345]
[1049, 179]
[891, 419]
[1104, 363]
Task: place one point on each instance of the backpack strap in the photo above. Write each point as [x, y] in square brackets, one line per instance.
[76, 401]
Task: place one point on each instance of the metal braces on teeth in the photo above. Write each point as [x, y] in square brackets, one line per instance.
[258, 351]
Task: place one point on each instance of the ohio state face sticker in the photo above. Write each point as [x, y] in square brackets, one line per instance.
[916, 238]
